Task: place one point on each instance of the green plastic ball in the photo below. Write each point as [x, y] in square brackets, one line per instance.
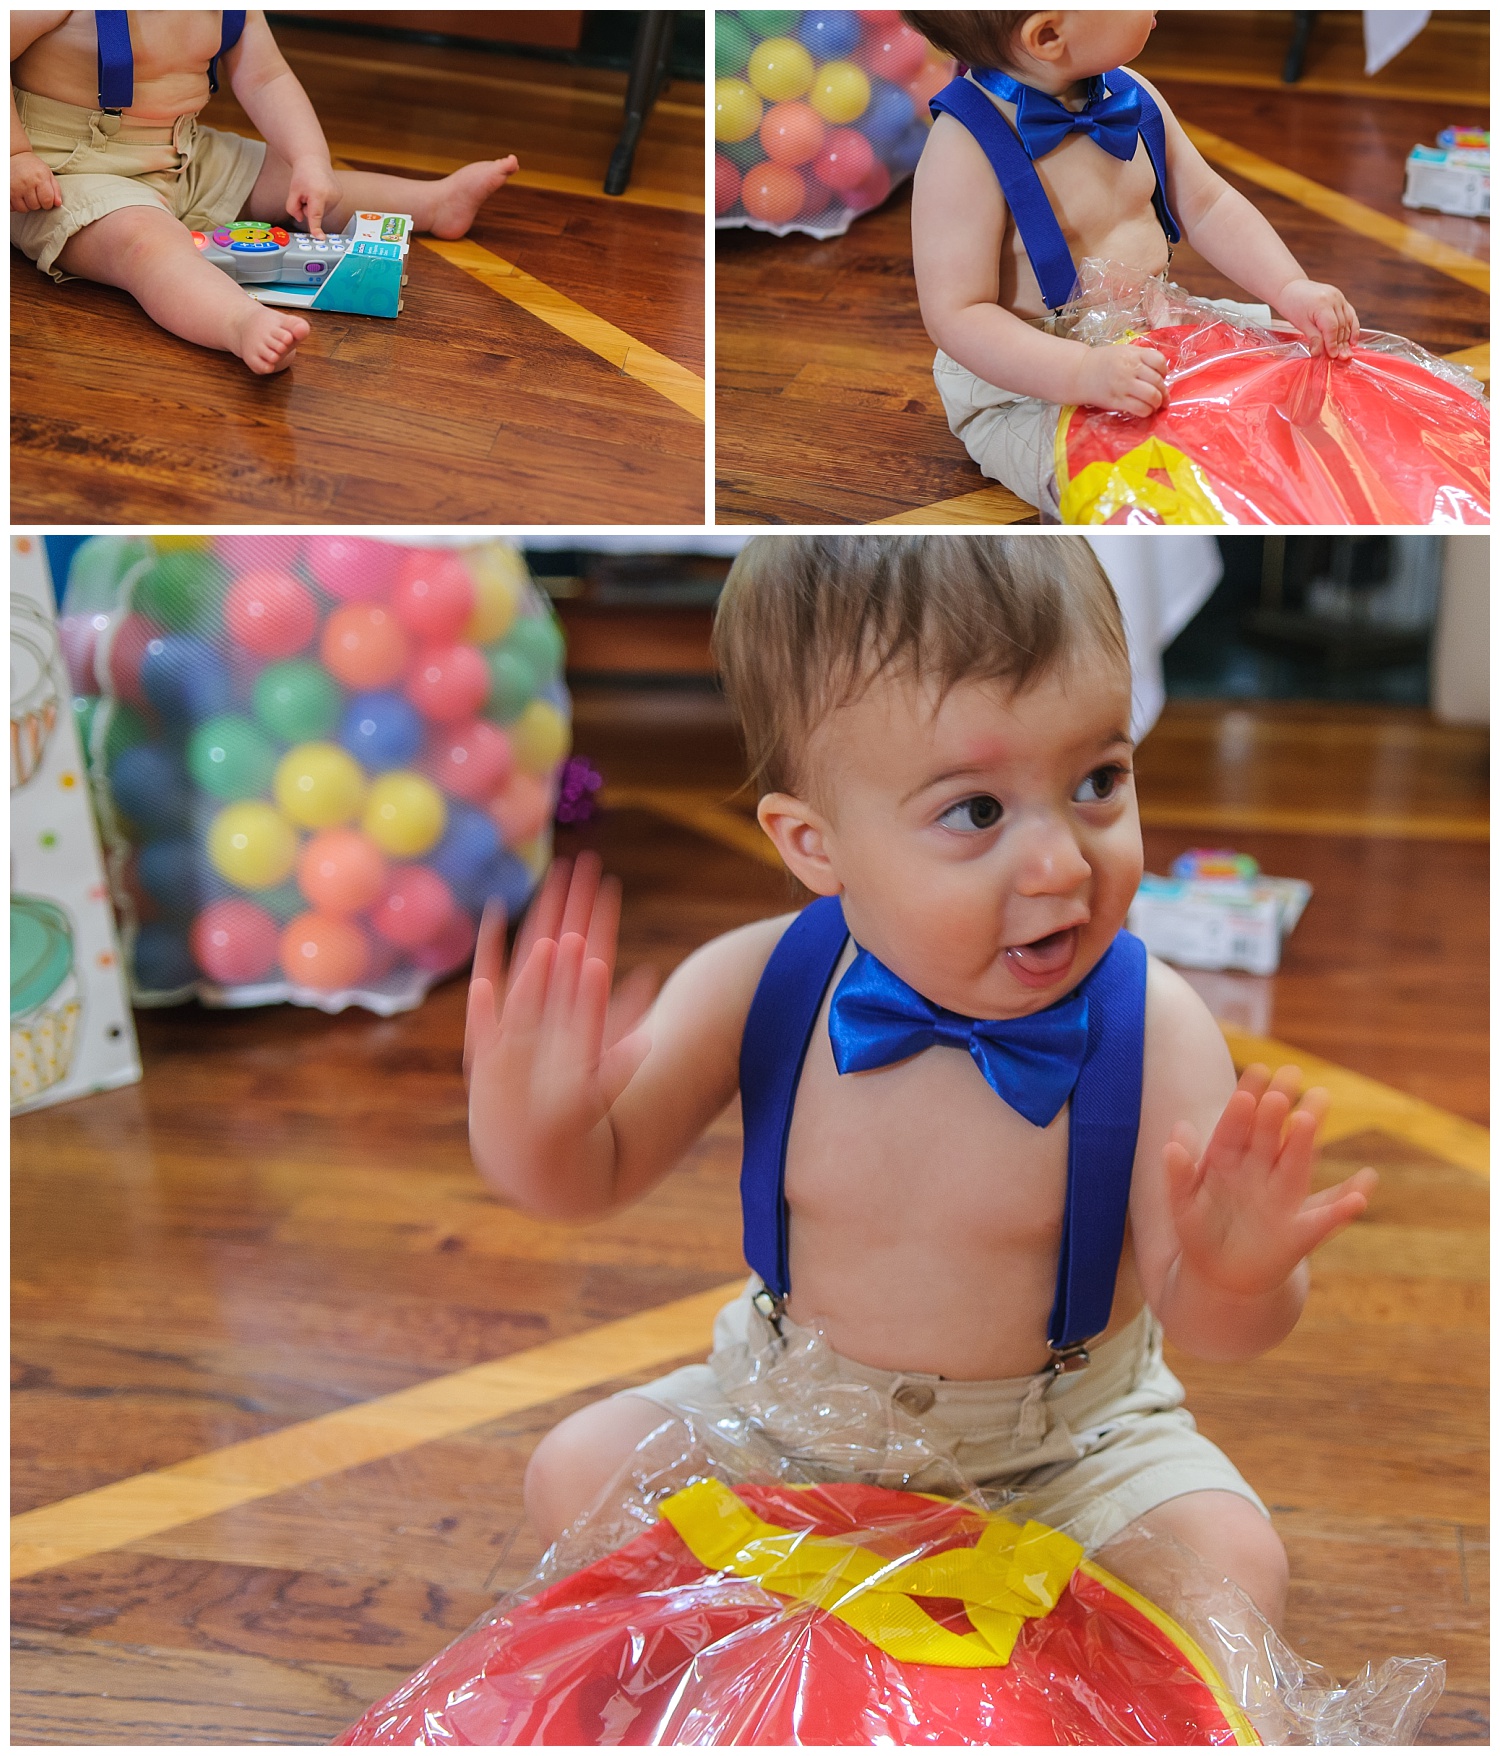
[771, 24]
[184, 589]
[732, 46]
[84, 709]
[96, 570]
[512, 683]
[124, 728]
[283, 903]
[296, 700]
[230, 757]
[539, 641]
[742, 153]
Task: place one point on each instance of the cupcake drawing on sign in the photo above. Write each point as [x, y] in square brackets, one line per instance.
[45, 999]
[35, 664]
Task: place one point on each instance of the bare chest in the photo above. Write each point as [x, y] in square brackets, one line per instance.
[170, 51]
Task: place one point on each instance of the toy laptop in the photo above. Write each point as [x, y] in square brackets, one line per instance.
[362, 270]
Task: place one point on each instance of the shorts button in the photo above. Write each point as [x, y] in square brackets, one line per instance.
[916, 1399]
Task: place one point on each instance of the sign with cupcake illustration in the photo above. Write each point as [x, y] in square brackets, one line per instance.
[70, 1024]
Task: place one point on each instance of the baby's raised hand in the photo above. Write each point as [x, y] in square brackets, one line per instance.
[312, 188]
[33, 188]
[1123, 377]
[1243, 1213]
[1323, 314]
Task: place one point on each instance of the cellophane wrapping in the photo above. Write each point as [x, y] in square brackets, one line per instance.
[313, 758]
[810, 1569]
[1257, 429]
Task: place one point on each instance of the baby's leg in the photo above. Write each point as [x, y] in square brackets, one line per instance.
[153, 258]
[445, 206]
[1225, 1530]
[570, 1467]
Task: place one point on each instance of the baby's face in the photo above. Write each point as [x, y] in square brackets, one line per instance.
[987, 847]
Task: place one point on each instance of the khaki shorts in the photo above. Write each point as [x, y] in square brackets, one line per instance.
[1088, 1452]
[1012, 438]
[103, 162]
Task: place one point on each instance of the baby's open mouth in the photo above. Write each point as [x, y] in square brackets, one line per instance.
[1044, 960]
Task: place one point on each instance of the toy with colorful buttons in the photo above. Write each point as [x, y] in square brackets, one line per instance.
[315, 757]
[817, 115]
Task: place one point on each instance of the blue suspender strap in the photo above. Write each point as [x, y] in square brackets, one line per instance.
[777, 1033]
[234, 29]
[1103, 1121]
[1041, 235]
[1154, 133]
[116, 61]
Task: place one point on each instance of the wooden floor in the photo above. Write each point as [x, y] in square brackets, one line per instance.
[281, 1224]
[826, 406]
[570, 392]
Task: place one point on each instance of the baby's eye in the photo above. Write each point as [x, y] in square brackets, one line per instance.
[1102, 784]
[980, 812]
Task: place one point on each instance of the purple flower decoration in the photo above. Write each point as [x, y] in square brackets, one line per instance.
[577, 790]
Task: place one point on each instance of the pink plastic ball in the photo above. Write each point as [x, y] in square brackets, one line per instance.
[320, 952]
[340, 871]
[726, 184]
[356, 569]
[896, 55]
[521, 807]
[792, 133]
[126, 652]
[845, 160]
[772, 193]
[270, 614]
[364, 646]
[927, 82]
[449, 683]
[433, 596]
[817, 197]
[452, 946]
[879, 20]
[249, 554]
[471, 761]
[416, 907]
[873, 190]
[234, 941]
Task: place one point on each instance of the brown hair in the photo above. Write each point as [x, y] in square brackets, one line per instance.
[978, 39]
[806, 623]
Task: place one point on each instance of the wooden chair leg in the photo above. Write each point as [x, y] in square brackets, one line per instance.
[1296, 55]
[648, 68]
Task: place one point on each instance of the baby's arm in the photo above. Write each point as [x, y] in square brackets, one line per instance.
[273, 99]
[577, 1107]
[1221, 1238]
[1233, 234]
[32, 185]
[957, 230]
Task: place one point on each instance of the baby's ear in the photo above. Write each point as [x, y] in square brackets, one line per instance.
[800, 837]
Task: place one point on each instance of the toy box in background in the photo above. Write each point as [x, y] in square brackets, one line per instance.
[360, 270]
[1453, 176]
[1217, 911]
[314, 758]
[70, 1025]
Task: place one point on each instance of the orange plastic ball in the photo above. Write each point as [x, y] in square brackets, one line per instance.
[772, 193]
[341, 872]
[791, 133]
[521, 808]
[364, 646]
[323, 953]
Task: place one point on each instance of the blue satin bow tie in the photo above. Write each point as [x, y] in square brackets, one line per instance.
[1031, 1062]
[1111, 119]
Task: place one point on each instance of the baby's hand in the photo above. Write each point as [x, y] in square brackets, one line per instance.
[33, 188]
[1123, 377]
[1243, 1213]
[312, 188]
[1323, 314]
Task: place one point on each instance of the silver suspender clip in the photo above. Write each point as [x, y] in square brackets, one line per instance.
[770, 1307]
[1072, 1358]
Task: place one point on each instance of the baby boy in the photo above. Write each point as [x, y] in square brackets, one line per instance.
[993, 1152]
[110, 184]
[1048, 153]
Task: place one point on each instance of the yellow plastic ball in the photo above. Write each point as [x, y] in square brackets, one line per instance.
[780, 68]
[404, 814]
[736, 111]
[319, 786]
[840, 92]
[252, 845]
[540, 737]
[165, 544]
[500, 581]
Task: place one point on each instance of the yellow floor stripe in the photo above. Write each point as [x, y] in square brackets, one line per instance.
[558, 182]
[1341, 209]
[1270, 819]
[141, 1506]
[983, 506]
[1476, 359]
[632, 357]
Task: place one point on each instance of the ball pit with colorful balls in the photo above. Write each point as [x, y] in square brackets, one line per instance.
[318, 757]
[817, 114]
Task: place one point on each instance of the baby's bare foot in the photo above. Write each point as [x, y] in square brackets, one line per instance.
[268, 339]
[451, 204]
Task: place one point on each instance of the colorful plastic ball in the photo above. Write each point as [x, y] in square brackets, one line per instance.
[452, 946]
[772, 194]
[829, 35]
[433, 596]
[97, 568]
[231, 758]
[149, 785]
[234, 941]
[449, 683]
[538, 640]
[162, 961]
[169, 872]
[732, 45]
[319, 786]
[252, 845]
[540, 737]
[322, 953]
[818, 197]
[901, 158]
[792, 133]
[341, 871]
[890, 114]
[521, 808]
[381, 731]
[404, 814]
[770, 24]
[469, 844]
[296, 700]
[78, 636]
[879, 20]
[500, 585]
[127, 652]
[506, 877]
[840, 92]
[736, 110]
[895, 54]
[270, 613]
[364, 646]
[780, 68]
[184, 677]
[282, 901]
[471, 761]
[249, 554]
[417, 905]
[927, 82]
[872, 190]
[357, 569]
[124, 728]
[845, 160]
[182, 589]
[512, 684]
[726, 184]
[742, 154]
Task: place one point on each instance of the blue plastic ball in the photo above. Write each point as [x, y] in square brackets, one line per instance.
[830, 35]
[163, 961]
[381, 731]
[184, 677]
[890, 113]
[470, 844]
[506, 877]
[902, 158]
[150, 786]
[171, 874]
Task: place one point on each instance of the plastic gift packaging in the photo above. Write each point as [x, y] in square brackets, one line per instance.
[1257, 429]
[817, 115]
[729, 1587]
[313, 758]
